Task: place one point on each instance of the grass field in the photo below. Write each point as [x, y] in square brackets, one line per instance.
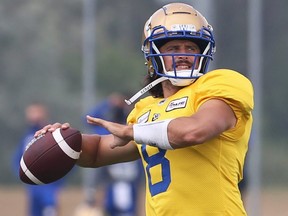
[13, 201]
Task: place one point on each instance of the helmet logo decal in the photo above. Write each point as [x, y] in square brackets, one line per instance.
[185, 27]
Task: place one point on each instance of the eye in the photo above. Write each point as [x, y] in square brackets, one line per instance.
[171, 49]
[193, 49]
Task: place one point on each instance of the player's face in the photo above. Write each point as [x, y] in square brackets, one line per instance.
[181, 62]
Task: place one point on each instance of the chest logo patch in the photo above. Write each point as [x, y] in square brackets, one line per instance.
[177, 104]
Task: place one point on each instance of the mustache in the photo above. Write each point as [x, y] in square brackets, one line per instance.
[182, 62]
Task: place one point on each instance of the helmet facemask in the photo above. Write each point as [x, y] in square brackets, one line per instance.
[203, 38]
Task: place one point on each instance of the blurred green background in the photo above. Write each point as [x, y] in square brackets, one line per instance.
[41, 60]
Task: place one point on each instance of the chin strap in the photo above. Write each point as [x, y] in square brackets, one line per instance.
[145, 89]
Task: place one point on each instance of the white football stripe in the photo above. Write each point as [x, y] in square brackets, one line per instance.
[28, 173]
[64, 146]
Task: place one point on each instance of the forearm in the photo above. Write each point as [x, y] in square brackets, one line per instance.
[96, 151]
[213, 118]
[89, 150]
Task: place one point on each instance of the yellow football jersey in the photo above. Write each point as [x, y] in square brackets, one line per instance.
[200, 180]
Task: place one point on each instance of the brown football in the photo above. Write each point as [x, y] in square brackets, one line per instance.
[50, 156]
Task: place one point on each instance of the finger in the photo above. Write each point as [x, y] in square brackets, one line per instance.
[58, 125]
[42, 131]
[65, 125]
[54, 127]
[51, 128]
[92, 120]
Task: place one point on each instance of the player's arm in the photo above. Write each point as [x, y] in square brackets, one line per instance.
[212, 118]
[96, 151]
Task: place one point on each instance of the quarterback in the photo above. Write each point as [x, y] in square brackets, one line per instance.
[191, 132]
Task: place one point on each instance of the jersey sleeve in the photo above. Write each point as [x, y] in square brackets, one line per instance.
[233, 88]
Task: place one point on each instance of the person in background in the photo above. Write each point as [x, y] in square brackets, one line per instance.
[191, 132]
[123, 191]
[112, 190]
[42, 199]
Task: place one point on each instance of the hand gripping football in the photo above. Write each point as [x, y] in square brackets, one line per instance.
[50, 156]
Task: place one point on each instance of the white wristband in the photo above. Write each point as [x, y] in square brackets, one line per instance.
[153, 134]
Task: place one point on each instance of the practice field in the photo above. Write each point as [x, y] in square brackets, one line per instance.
[13, 200]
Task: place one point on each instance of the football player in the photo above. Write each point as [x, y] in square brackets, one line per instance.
[192, 132]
